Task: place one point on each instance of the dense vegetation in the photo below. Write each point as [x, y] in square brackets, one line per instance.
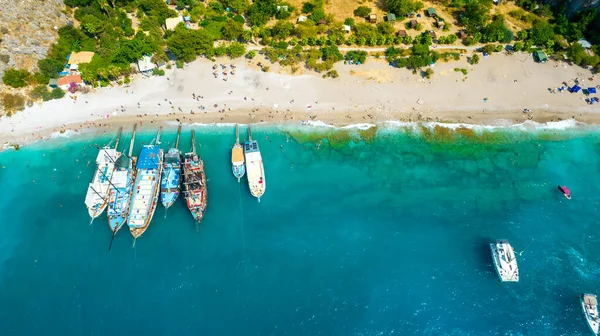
[120, 32]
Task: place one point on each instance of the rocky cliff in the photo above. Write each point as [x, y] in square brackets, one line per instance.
[27, 29]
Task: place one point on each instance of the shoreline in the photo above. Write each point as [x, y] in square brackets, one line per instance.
[495, 93]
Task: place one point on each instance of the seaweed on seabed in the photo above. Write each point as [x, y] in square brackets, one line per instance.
[303, 137]
[368, 135]
[339, 138]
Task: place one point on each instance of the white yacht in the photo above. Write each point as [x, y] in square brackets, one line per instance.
[505, 261]
[254, 167]
[96, 198]
[589, 303]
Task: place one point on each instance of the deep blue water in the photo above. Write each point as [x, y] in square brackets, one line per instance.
[386, 238]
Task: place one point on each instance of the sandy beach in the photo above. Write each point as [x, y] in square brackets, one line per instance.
[494, 92]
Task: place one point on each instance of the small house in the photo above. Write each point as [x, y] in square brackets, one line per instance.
[497, 2]
[322, 21]
[53, 83]
[301, 18]
[432, 34]
[410, 14]
[413, 24]
[65, 82]
[373, 18]
[171, 23]
[391, 17]
[402, 33]
[461, 34]
[440, 23]
[145, 64]
[282, 8]
[431, 12]
[587, 46]
[347, 28]
[540, 56]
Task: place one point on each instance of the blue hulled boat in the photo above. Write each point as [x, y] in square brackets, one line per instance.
[171, 178]
[120, 195]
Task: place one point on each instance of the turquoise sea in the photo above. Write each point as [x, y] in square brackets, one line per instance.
[356, 235]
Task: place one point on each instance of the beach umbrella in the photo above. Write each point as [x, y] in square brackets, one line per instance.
[591, 90]
[575, 89]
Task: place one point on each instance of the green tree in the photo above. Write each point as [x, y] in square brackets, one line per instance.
[282, 30]
[317, 15]
[92, 25]
[541, 32]
[15, 78]
[261, 11]
[402, 7]
[349, 22]
[50, 67]
[385, 28]
[236, 50]
[187, 44]
[474, 59]
[476, 14]
[238, 6]
[251, 54]
[362, 11]
[57, 93]
[232, 30]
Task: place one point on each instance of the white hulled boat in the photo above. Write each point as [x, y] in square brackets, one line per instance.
[505, 261]
[96, 198]
[254, 167]
[589, 303]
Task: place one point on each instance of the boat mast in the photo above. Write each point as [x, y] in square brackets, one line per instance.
[132, 140]
[249, 134]
[158, 136]
[237, 134]
[112, 238]
[118, 137]
[178, 134]
[194, 142]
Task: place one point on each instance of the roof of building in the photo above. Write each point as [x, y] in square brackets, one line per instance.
[301, 18]
[541, 56]
[69, 79]
[145, 64]
[347, 28]
[584, 43]
[431, 11]
[391, 17]
[402, 33]
[148, 158]
[81, 57]
[53, 81]
[171, 23]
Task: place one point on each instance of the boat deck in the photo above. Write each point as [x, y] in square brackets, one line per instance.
[143, 197]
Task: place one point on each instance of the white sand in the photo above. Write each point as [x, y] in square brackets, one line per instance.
[374, 92]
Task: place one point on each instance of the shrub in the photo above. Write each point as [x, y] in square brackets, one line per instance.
[427, 73]
[179, 64]
[474, 59]
[57, 93]
[158, 72]
[127, 80]
[362, 11]
[38, 92]
[13, 102]
[16, 78]
[236, 50]
[350, 22]
[251, 54]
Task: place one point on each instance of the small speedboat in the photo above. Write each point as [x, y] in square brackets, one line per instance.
[589, 303]
[565, 191]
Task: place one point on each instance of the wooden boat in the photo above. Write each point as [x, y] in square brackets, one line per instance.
[194, 184]
[146, 188]
[238, 165]
[120, 196]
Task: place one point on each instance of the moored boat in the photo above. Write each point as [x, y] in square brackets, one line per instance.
[589, 303]
[237, 157]
[194, 184]
[254, 167]
[171, 176]
[146, 188]
[96, 198]
[120, 196]
[505, 261]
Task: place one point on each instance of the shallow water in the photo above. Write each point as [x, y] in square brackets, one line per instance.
[389, 237]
